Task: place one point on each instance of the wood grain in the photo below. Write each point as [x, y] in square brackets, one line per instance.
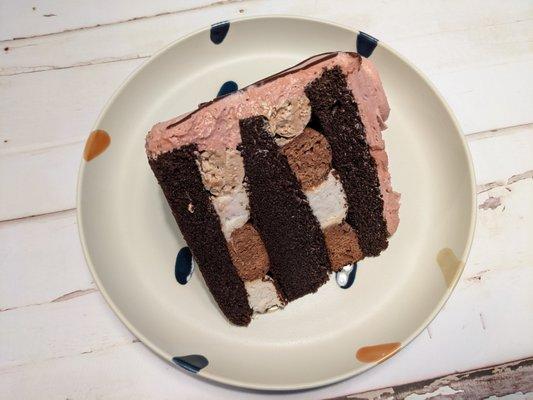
[514, 378]
[26, 18]
[58, 338]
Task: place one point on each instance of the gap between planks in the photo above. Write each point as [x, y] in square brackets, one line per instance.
[510, 378]
[139, 18]
[476, 136]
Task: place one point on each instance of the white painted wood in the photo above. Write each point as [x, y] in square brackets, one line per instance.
[477, 77]
[23, 18]
[497, 157]
[483, 97]
[476, 328]
[39, 181]
[42, 255]
[52, 172]
[131, 39]
[58, 338]
[64, 104]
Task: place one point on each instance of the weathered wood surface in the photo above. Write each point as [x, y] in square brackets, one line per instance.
[514, 379]
[58, 338]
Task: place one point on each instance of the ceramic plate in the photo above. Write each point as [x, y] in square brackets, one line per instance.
[131, 241]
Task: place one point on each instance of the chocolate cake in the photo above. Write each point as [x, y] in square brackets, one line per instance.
[278, 185]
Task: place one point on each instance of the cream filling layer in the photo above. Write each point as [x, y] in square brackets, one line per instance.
[262, 295]
[328, 201]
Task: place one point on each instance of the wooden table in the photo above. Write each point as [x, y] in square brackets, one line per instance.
[59, 63]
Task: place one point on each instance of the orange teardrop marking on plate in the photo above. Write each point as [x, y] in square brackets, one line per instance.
[96, 144]
[378, 352]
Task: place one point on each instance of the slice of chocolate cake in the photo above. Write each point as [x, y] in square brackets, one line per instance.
[281, 183]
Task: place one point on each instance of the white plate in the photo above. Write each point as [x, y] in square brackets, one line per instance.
[131, 240]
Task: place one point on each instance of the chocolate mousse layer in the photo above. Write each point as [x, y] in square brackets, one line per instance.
[248, 253]
[309, 156]
[279, 209]
[178, 175]
[343, 246]
[336, 116]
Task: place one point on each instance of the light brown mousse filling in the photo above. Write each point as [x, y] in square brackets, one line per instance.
[309, 156]
[343, 247]
[248, 253]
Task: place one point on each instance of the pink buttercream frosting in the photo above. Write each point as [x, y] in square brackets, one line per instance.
[215, 126]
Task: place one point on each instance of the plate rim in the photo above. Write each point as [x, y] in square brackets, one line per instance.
[235, 383]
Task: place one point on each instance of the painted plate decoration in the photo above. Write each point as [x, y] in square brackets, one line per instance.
[366, 312]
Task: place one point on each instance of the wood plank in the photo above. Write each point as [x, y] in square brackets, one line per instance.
[52, 172]
[23, 18]
[425, 44]
[43, 255]
[48, 179]
[64, 104]
[513, 379]
[488, 90]
[498, 155]
[58, 337]
[80, 330]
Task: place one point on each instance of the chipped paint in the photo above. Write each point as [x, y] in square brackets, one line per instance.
[491, 203]
[449, 265]
[378, 352]
[519, 177]
[513, 179]
[74, 294]
[97, 142]
[505, 381]
[442, 391]
[477, 277]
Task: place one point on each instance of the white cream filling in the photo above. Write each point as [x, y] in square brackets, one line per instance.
[262, 295]
[328, 201]
[232, 209]
[223, 175]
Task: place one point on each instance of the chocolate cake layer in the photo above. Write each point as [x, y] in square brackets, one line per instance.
[179, 177]
[280, 211]
[336, 113]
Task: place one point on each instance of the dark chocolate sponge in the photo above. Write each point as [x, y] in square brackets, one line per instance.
[182, 185]
[279, 209]
[336, 113]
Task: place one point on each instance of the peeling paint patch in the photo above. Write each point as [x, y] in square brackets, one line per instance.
[379, 352]
[491, 203]
[449, 265]
[519, 177]
[505, 381]
[74, 294]
[513, 179]
[442, 391]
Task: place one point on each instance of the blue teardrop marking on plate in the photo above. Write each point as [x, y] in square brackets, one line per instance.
[366, 44]
[192, 363]
[227, 88]
[219, 31]
[183, 268]
[346, 276]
